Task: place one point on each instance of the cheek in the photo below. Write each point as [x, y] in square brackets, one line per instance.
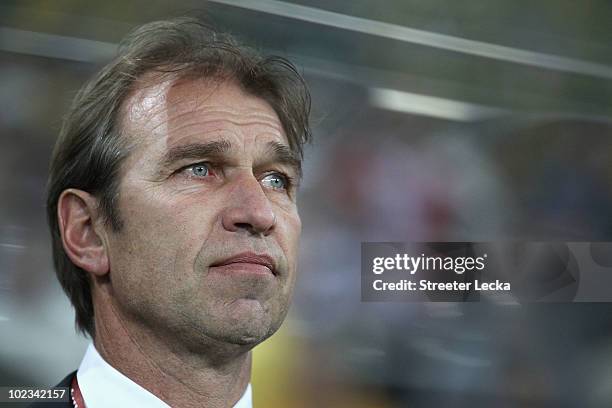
[167, 216]
[291, 232]
[297, 231]
[159, 237]
[291, 228]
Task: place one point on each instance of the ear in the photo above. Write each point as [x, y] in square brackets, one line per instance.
[77, 213]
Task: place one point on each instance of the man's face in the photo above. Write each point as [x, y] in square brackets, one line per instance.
[211, 228]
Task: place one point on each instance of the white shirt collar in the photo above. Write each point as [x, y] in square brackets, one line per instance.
[103, 386]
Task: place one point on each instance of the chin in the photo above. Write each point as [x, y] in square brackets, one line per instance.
[248, 327]
[241, 322]
[244, 335]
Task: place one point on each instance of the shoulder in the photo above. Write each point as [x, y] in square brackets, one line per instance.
[65, 404]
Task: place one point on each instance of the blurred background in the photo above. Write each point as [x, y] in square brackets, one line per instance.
[433, 121]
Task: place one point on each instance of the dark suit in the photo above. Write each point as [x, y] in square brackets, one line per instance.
[64, 383]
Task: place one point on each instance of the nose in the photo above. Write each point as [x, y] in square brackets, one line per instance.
[249, 209]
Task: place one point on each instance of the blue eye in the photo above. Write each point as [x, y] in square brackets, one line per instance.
[276, 181]
[199, 170]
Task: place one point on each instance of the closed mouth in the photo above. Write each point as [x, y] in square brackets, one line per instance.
[248, 258]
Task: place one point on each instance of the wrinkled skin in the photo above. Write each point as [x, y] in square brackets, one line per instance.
[183, 214]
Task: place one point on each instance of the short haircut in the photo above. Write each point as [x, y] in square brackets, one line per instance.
[90, 148]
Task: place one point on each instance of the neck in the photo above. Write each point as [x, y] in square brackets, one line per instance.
[216, 375]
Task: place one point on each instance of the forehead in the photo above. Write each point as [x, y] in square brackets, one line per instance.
[180, 111]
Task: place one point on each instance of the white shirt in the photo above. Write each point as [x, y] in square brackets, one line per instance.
[104, 386]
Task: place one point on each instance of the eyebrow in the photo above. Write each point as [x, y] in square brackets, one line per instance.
[275, 152]
[195, 151]
[282, 154]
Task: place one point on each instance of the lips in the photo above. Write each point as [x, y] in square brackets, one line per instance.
[248, 262]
